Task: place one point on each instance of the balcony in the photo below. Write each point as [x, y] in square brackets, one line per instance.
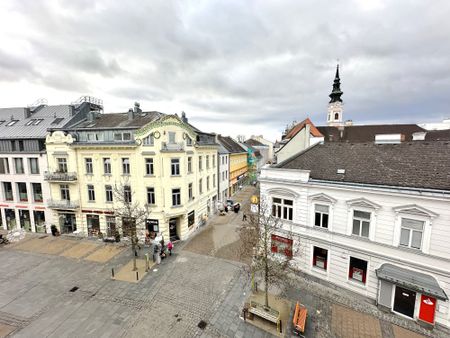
[172, 147]
[60, 176]
[63, 204]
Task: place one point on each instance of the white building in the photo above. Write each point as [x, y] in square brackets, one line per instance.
[223, 174]
[24, 192]
[370, 218]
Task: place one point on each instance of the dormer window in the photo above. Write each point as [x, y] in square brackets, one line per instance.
[58, 120]
[171, 137]
[11, 123]
[126, 136]
[149, 140]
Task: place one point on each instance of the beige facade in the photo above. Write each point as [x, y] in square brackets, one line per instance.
[162, 157]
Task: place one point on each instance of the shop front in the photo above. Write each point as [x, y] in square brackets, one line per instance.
[281, 245]
[10, 215]
[24, 217]
[67, 222]
[409, 293]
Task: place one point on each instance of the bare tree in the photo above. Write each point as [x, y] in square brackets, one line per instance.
[131, 214]
[263, 260]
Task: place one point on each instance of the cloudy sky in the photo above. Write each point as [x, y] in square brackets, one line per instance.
[235, 67]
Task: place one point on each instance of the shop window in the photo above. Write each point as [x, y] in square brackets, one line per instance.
[320, 258]
[128, 226]
[282, 208]
[110, 226]
[357, 270]
[39, 221]
[321, 215]
[191, 218]
[281, 245]
[93, 224]
[411, 233]
[361, 223]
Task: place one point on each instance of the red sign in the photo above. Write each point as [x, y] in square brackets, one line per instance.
[427, 309]
[281, 245]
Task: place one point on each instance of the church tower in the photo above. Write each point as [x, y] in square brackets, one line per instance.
[335, 106]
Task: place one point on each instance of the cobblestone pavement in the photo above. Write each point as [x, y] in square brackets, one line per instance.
[195, 284]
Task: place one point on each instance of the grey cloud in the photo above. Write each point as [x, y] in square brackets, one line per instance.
[14, 68]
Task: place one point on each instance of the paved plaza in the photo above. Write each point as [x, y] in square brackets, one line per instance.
[63, 288]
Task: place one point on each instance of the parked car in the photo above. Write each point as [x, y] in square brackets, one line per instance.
[230, 203]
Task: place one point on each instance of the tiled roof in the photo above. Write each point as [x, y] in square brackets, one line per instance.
[417, 164]
[24, 128]
[120, 120]
[438, 135]
[299, 126]
[231, 145]
[366, 133]
[252, 142]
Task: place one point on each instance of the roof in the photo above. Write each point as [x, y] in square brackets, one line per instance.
[438, 135]
[44, 118]
[252, 142]
[366, 133]
[120, 120]
[299, 126]
[231, 145]
[417, 164]
[414, 280]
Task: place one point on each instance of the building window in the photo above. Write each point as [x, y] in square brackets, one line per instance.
[91, 193]
[4, 166]
[21, 147]
[207, 161]
[118, 137]
[149, 140]
[7, 186]
[126, 166]
[411, 233]
[149, 166]
[320, 258]
[361, 223]
[22, 188]
[281, 245]
[176, 197]
[190, 192]
[282, 208]
[34, 165]
[93, 224]
[200, 165]
[207, 183]
[89, 165]
[188, 141]
[127, 193]
[171, 137]
[191, 218]
[200, 186]
[151, 197]
[62, 165]
[321, 215]
[175, 166]
[357, 270]
[189, 166]
[13, 146]
[110, 226]
[214, 180]
[65, 192]
[126, 136]
[18, 164]
[214, 161]
[107, 166]
[37, 192]
[109, 193]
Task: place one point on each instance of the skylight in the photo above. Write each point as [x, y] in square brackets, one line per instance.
[11, 123]
[58, 120]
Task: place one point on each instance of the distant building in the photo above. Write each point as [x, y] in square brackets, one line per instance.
[223, 174]
[261, 139]
[238, 163]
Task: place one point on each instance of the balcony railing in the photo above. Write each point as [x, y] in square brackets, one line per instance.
[63, 204]
[172, 147]
[58, 176]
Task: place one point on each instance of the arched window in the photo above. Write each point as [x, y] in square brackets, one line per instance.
[336, 116]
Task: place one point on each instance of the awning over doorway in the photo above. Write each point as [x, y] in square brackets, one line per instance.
[412, 280]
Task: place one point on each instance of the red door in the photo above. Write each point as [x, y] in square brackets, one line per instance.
[427, 309]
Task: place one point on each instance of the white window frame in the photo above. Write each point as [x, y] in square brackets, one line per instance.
[419, 214]
[282, 205]
[149, 166]
[315, 267]
[362, 204]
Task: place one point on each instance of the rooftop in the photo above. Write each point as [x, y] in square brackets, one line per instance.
[231, 145]
[299, 126]
[417, 164]
[119, 120]
[252, 142]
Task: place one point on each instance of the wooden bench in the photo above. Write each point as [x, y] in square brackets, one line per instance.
[270, 315]
[299, 319]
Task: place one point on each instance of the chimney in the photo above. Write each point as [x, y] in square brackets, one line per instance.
[27, 112]
[341, 132]
[183, 117]
[131, 113]
[71, 110]
[137, 108]
[348, 123]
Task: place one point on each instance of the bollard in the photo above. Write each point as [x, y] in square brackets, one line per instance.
[112, 272]
[147, 264]
[137, 275]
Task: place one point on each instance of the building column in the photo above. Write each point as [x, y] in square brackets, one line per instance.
[33, 225]
[16, 213]
[2, 210]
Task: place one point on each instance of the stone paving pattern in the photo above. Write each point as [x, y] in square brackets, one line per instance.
[202, 280]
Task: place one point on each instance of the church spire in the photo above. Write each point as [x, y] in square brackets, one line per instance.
[336, 93]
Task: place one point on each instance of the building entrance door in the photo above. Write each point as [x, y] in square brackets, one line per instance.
[173, 229]
[404, 301]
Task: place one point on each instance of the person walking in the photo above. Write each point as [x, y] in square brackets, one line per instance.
[244, 217]
[170, 247]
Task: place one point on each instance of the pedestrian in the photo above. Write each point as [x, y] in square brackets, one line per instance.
[170, 247]
[244, 217]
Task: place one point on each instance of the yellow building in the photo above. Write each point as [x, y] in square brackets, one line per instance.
[159, 160]
[238, 162]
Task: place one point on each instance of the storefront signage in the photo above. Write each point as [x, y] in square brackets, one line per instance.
[152, 225]
[427, 309]
[254, 199]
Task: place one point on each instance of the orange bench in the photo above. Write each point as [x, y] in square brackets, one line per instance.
[299, 319]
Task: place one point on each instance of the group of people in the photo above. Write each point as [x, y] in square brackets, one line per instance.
[161, 250]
